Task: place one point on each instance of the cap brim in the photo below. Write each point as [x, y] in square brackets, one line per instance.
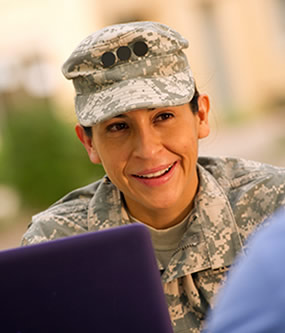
[133, 94]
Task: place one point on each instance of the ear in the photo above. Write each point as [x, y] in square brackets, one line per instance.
[88, 144]
[203, 120]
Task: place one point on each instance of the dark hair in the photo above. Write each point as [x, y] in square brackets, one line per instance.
[194, 101]
[88, 131]
[193, 105]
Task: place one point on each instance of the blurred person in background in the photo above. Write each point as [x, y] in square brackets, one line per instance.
[253, 299]
[140, 115]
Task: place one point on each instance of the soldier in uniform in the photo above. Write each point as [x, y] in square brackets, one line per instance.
[141, 116]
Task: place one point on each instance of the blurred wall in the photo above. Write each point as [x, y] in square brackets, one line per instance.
[236, 46]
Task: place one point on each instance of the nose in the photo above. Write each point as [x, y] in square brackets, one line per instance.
[146, 142]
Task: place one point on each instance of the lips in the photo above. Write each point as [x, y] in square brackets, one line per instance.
[156, 174]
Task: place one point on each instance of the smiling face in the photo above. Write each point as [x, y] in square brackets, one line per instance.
[151, 156]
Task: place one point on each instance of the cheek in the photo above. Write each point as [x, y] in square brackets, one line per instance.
[114, 165]
[184, 144]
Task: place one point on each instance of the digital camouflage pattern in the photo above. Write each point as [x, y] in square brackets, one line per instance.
[235, 196]
[160, 77]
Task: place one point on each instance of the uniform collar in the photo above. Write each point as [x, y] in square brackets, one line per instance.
[212, 239]
[217, 221]
[105, 208]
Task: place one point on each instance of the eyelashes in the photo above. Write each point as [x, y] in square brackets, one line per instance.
[119, 126]
[116, 127]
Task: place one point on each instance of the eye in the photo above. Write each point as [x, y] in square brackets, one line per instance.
[116, 127]
[164, 116]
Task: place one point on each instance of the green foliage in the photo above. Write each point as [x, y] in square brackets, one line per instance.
[41, 156]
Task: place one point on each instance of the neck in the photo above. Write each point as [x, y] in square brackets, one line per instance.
[163, 219]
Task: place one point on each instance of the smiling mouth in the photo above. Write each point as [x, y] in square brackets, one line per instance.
[156, 174]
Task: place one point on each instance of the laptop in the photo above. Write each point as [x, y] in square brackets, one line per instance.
[105, 281]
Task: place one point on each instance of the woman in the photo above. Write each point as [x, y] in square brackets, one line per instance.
[141, 116]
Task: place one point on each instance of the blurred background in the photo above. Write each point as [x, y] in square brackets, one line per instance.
[237, 52]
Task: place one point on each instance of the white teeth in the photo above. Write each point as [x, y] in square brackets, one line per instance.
[156, 174]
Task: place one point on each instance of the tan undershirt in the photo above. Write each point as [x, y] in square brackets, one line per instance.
[165, 241]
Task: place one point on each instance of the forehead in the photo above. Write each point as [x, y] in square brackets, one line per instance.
[133, 113]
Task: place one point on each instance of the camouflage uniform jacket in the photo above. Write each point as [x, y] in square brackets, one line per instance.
[234, 197]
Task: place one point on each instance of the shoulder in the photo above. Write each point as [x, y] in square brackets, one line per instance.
[235, 170]
[68, 216]
[254, 190]
[237, 174]
[74, 202]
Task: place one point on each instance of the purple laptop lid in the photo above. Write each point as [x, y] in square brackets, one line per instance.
[104, 281]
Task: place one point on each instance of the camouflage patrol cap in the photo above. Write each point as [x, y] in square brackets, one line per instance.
[126, 67]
